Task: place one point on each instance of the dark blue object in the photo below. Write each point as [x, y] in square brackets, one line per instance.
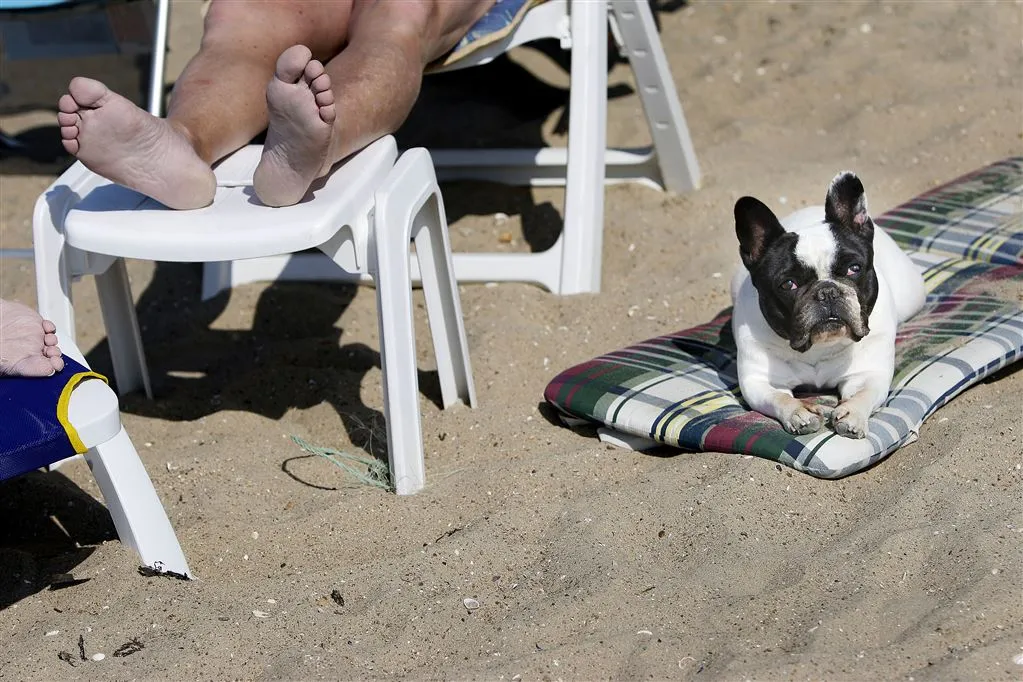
[34, 431]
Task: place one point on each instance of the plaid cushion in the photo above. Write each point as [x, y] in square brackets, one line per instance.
[681, 389]
[979, 216]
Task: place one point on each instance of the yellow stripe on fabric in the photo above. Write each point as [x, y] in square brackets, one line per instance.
[986, 242]
[938, 274]
[65, 400]
[673, 428]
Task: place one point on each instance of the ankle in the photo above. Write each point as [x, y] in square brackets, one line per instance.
[201, 150]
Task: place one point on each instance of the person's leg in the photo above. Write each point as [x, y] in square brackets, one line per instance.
[318, 115]
[218, 103]
[28, 343]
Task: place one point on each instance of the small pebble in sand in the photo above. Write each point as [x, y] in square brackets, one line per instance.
[260, 614]
[51, 633]
[98, 657]
[470, 604]
[866, 28]
[500, 218]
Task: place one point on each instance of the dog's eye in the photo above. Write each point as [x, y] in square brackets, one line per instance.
[853, 270]
[788, 285]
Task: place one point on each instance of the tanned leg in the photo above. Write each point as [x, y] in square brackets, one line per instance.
[218, 104]
[374, 82]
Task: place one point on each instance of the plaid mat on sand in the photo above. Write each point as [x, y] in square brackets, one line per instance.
[681, 389]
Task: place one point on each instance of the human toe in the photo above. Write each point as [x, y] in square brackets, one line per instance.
[292, 63]
[66, 106]
[86, 92]
[313, 69]
[324, 98]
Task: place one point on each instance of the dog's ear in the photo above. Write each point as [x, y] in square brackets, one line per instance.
[756, 226]
[846, 205]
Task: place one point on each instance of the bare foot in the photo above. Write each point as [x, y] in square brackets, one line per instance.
[301, 128]
[28, 344]
[116, 139]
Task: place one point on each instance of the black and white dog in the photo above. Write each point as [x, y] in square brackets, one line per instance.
[816, 307]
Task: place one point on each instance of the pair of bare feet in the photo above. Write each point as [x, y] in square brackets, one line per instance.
[154, 156]
[28, 343]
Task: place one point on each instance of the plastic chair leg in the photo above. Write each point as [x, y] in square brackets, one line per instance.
[216, 277]
[123, 335]
[443, 304]
[679, 169]
[138, 515]
[51, 256]
[389, 265]
[583, 234]
[157, 69]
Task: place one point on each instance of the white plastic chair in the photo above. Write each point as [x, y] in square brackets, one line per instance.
[573, 264]
[363, 216]
[134, 506]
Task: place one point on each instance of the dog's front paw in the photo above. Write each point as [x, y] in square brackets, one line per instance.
[801, 421]
[849, 423]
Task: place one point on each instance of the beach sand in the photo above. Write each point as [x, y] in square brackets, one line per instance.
[587, 562]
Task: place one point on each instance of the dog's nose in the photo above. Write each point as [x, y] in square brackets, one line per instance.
[827, 292]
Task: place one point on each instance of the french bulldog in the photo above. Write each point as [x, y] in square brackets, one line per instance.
[816, 305]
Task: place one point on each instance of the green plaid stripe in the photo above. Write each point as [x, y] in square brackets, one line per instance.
[978, 216]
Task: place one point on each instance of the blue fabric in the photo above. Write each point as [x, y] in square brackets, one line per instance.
[503, 14]
[498, 22]
[31, 436]
[31, 4]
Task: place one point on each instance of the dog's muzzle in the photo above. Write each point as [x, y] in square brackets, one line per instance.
[827, 312]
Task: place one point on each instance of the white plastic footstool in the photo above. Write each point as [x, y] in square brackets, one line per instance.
[363, 216]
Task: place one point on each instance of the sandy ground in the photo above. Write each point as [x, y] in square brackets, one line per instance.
[587, 562]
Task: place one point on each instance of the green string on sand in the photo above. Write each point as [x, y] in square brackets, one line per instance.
[376, 473]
